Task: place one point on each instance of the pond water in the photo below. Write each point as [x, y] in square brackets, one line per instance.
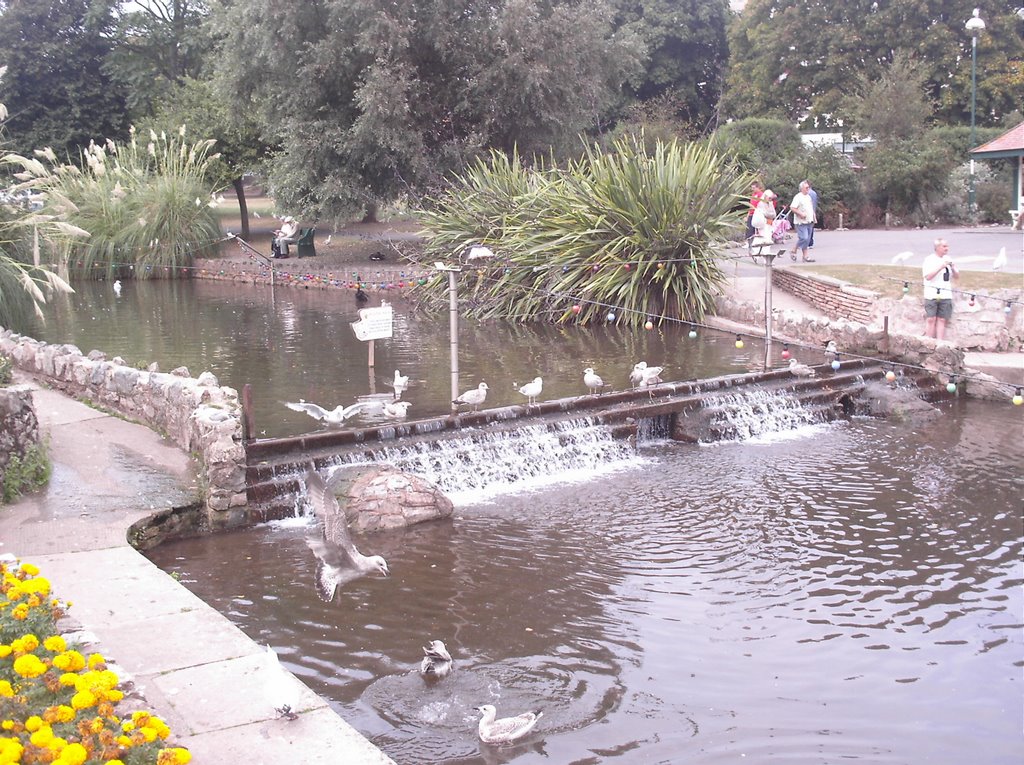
[293, 344]
[850, 591]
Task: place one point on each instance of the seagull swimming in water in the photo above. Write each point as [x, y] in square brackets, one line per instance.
[473, 397]
[401, 382]
[507, 729]
[396, 408]
[338, 560]
[437, 662]
[280, 689]
[336, 416]
[117, 286]
[531, 390]
[800, 370]
[591, 379]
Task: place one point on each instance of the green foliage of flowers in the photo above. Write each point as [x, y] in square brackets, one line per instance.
[629, 228]
[58, 705]
[146, 206]
[6, 369]
[26, 472]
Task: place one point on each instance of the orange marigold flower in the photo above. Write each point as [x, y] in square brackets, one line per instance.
[34, 601]
[20, 612]
[174, 756]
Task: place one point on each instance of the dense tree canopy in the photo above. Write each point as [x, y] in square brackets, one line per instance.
[368, 98]
[796, 58]
[56, 87]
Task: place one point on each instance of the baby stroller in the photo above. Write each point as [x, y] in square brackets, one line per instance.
[781, 227]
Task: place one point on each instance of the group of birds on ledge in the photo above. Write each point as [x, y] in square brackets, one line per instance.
[641, 376]
[339, 562]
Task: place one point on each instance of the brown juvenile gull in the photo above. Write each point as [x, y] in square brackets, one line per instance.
[507, 729]
[338, 560]
[800, 370]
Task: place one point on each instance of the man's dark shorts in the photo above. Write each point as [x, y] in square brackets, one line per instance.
[942, 309]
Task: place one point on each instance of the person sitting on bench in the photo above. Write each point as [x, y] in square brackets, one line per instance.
[287, 234]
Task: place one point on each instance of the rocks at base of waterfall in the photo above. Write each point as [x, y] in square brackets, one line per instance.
[378, 498]
[880, 399]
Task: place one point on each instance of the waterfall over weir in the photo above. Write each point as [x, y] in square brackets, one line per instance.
[482, 463]
[755, 413]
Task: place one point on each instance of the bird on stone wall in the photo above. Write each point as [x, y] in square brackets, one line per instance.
[473, 397]
[396, 409]
[592, 380]
[800, 370]
[531, 390]
[338, 560]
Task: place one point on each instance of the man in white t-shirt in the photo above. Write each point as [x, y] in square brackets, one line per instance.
[938, 271]
[803, 217]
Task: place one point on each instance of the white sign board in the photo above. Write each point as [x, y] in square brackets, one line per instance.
[374, 323]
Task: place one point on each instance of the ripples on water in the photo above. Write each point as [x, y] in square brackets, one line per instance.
[853, 593]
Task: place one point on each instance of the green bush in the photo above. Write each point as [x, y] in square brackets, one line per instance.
[6, 369]
[26, 472]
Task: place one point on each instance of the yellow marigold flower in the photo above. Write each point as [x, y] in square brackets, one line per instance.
[34, 601]
[55, 643]
[83, 700]
[74, 754]
[5, 651]
[42, 737]
[6, 689]
[7, 724]
[96, 659]
[20, 612]
[10, 750]
[29, 666]
[38, 586]
[126, 742]
[148, 733]
[65, 714]
[114, 762]
[68, 678]
[14, 591]
[140, 717]
[174, 756]
[34, 723]
[127, 726]
[160, 727]
[30, 568]
[29, 642]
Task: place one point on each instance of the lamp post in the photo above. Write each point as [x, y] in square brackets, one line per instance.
[975, 26]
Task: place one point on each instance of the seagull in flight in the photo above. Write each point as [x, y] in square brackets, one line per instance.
[899, 257]
[437, 662]
[473, 397]
[1000, 259]
[531, 390]
[336, 416]
[507, 729]
[338, 560]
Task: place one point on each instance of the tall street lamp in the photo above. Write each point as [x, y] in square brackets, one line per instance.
[975, 26]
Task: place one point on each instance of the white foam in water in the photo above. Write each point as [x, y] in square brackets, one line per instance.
[762, 416]
[479, 465]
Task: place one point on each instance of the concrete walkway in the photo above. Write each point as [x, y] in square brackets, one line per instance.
[193, 667]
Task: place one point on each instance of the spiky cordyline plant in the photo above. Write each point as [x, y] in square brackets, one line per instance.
[146, 206]
[625, 228]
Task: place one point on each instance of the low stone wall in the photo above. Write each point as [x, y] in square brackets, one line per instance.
[19, 428]
[197, 414]
[831, 296]
[978, 324]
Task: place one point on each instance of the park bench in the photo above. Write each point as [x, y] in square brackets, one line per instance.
[304, 243]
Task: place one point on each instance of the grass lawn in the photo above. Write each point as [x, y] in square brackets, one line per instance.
[888, 280]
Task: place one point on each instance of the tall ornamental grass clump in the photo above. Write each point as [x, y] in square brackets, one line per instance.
[146, 205]
[627, 231]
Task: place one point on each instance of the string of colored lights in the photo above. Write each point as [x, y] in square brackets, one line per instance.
[973, 293]
[615, 310]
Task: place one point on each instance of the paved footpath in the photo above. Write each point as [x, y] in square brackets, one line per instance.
[193, 667]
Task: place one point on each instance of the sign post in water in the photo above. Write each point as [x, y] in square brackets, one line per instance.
[374, 324]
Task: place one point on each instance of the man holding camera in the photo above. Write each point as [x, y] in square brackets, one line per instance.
[938, 271]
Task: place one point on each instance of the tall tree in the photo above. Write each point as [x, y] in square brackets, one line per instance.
[795, 58]
[372, 98]
[56, 85]
[687, 53]
[158, 43]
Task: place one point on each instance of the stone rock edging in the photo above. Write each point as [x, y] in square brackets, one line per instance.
[381, 497]
[19, 427]
[197, 414]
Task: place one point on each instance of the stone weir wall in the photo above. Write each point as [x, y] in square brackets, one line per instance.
[197, 414]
